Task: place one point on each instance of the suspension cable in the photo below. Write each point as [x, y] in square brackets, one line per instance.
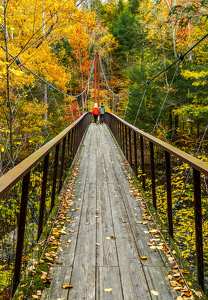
[51, 87]
[126, 108]
[156, 123]
[177, 203]
[140, 105]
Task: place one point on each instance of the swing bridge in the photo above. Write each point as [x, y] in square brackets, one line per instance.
[110, 247]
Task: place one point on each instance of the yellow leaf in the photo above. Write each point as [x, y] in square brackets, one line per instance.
[154, 293]
[108, 290]
[144, 257]
[67, 286]
[2, 149]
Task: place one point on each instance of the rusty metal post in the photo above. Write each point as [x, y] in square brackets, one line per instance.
[142, 160]
[130, 154]
[126, 136]
[153, 174]
[98, 62]
[120, 140]
[21, 231]
[69, 149]
[198, 228]
[55, 171]
[95, 76]
[135, 153]
[62, 163]
[169, 196]
[43, 195]
[123, 137]
[72, 144]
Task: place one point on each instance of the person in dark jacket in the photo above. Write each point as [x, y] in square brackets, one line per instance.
[102, 113]
[95, 113]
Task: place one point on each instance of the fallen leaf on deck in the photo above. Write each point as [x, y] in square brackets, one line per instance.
[187, 293]
[67, 286]
[108, 290]
[96, 216]
[177, 275]
[144, 257]
[184, 271]
[44, 274]
[154, 231]
[154, 293]
[176, 267]
[39, 293]
[61, 299]
[175, 284]
[49, 258]
[97, 244]
[112, 237]
[72, 231]
[199, 294]
[35, 296]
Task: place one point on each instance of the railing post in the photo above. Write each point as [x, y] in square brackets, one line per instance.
[43, 195]
[126, 136]
[198, 228]
[55, 168]
[120, 139]
[123, 137]
[21, 231]
[62, 163]
[153, 174]
[169, 196]
[130, 154]
[135, 154]
[142, 160]
[72, 144]
[69, 149]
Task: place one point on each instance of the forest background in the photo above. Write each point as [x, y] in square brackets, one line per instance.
[135, 39]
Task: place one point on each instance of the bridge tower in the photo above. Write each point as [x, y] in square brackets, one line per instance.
[97, 78]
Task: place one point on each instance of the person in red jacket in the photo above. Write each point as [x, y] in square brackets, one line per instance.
[95, 113]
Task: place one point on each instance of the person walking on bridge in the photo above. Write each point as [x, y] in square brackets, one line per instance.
[102, 113]
[95, 113]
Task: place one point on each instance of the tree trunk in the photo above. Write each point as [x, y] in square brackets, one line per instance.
[9, 103]
[176, 126]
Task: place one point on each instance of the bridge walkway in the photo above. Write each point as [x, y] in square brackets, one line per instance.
[100, 255]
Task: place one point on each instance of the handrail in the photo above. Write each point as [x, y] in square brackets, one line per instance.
[129, 144]
[8, 180]
[56, 166]
[185, 157]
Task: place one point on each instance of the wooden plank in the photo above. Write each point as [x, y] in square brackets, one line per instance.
[67, 251]
[83, 273]
[132, 276]
[60, 277]
[106, 249]
[158, 281]
[155, 258]
[108, 278]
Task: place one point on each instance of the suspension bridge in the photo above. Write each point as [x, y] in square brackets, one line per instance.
[106, 239]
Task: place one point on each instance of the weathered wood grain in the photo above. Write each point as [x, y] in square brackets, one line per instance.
[108, 278]
[83, 273]
[61, 276]
[106, 208]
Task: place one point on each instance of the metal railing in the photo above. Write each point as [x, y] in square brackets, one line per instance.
[131, 141]
[42, 175]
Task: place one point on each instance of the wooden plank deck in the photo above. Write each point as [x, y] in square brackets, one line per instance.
[92, 263]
